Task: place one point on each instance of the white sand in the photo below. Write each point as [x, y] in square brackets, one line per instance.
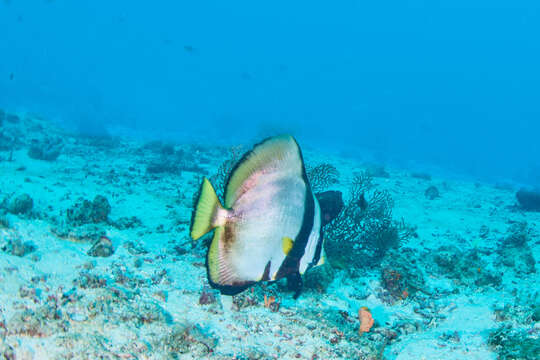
[137, 312]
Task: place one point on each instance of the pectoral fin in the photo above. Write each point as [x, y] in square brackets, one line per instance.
[287, 244]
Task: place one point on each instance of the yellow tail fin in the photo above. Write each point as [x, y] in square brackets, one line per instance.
[205, 215]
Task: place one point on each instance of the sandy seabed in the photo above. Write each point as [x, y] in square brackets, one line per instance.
[68, 293]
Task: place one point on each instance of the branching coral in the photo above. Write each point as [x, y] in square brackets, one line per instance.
[322, 176]
[219, 179]
[363, 232]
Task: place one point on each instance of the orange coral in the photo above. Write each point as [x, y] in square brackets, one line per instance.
[366, 320]
[405, 294]
[268, 300]
[271, 303]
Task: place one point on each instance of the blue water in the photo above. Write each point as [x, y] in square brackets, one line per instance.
[434, 103]
[448, 83]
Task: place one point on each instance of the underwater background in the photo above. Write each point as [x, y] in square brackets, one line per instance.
[450, 83]
[423, 114]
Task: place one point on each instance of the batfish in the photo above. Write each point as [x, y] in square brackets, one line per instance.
[270, 224]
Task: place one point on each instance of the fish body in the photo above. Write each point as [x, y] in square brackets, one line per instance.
[269, 226]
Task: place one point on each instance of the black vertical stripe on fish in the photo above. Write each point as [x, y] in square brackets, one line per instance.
[318, 251]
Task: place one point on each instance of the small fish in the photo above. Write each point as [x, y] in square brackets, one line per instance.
[189, 48]
[331, 203]
[362, 202]
[11, 76]
[270, 225]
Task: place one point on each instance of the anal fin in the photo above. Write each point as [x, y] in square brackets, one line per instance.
[220, 274]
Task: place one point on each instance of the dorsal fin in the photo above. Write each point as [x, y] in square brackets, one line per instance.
[263, 155]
